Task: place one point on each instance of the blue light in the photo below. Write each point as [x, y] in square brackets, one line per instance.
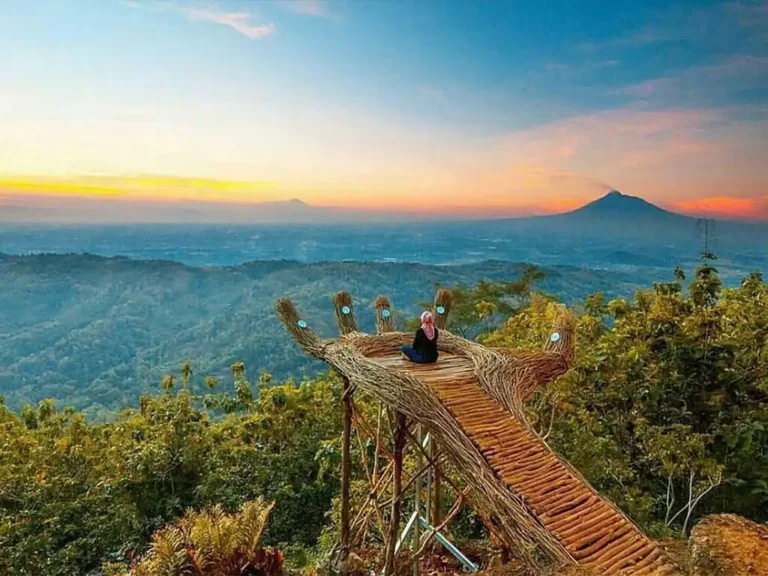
[385, 313]
[345, 310]
[302, 324]
[555, 337]
[441, 310]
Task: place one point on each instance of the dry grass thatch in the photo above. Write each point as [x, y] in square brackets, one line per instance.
[442, 308]
[412, 397]
[385, 319]
[344, 308]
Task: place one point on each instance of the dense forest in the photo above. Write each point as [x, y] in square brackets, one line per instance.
[665, 412]
[95, 332]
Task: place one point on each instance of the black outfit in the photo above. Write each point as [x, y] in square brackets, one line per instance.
[424, 350]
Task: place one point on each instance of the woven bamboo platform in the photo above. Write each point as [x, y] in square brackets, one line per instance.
[472, 402]
[594, 533]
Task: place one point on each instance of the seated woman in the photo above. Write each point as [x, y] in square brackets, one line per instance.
[424, 349]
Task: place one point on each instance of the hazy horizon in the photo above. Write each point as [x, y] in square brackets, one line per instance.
[77, 211]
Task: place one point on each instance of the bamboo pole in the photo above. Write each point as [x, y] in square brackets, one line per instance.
[417, 502]
[394, 522]
[436, 484]
[385, 323]
[345, 319]
[430, 474]
[371, 479]
[442, 307]
[346, 477]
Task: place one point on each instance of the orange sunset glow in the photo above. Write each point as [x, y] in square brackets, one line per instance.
[726, 207]
[168, 189]
[148, 188]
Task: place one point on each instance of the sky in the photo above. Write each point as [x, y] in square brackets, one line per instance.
[476, 107]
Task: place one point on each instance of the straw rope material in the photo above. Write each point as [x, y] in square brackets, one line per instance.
[344, 308]
[472, 401]
[442, 308]
[385, 319]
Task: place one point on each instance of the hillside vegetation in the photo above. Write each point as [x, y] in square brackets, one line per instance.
[665, 412]
[96, 332]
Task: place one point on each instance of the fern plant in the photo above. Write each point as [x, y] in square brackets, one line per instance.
[213, 543]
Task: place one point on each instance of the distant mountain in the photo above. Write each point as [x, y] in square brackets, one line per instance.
[13, 213]
[618, 205]
[618, 217]
[77, 210]
[613, 219]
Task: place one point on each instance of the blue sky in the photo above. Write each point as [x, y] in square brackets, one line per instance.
[516, 106]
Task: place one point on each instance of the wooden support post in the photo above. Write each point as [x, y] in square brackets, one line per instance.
[442, 307]
[430, 476]
[384, 319]
[385, 322]
[346, 477]
[345, 318]
[436, 492]
[417, 502]
[400, 434]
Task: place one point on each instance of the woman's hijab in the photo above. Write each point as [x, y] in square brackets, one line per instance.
[427, 325]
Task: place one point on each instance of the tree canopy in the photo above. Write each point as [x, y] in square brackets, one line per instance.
[666, 408]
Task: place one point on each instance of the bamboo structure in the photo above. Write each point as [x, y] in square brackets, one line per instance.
[346, 474]
[471, 402]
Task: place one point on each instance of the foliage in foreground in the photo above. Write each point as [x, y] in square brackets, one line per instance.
[75, 494]
[667, 407]
[212, 543]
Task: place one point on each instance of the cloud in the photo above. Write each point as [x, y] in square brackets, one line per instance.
[578, 70]
[311, 8]
[666, 153]
[648, 87]
[605, 64]
[238, 21]
[609, 132]
[752, 15]
[704, 82]
[432, 93]
[726, 207]
[742, 23]
[667, 156]
[740, 65]
[642, 37]
[557, 67]
[150, 5]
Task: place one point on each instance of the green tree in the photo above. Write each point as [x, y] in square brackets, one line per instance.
[478, 309]
[665, 409]
[75, 494]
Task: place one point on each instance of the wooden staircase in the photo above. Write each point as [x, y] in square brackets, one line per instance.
[593, 531]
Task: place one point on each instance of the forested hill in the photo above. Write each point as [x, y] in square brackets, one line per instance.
[94, 332]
